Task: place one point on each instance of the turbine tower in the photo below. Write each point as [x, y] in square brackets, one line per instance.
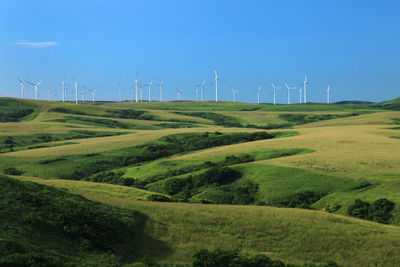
[301, 92]
[76, 92]
[49, 93]
[36, 88]
[120, 91]
[305, 89]
[274, 88]
[234, 94]
[196, 94]
[93, 94]
[216, 86]
[328, 91]
[161, 89]
[22, 88]
[258, 94]
[137, 87]
[202, 90]
[149, 86]
[288, 90]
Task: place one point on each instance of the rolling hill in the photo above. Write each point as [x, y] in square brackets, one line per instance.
[261, 179]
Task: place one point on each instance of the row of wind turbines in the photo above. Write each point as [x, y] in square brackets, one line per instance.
[140, 87]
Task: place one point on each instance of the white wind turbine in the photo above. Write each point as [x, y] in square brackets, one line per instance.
[161, 84]
[234, 94]
[137, 87]
[216, 85]
[120, 92]
[201, 89]
[63, 90]
[36, 88]
[274, 89]
[76, 92]
[83, 94]
[301, 93]
[93, 95]
[149, 86]
[258, 94]
[196, 94]
[328, 91]
[289, 88]
[49, 93]
[22, 88]
[305, 89]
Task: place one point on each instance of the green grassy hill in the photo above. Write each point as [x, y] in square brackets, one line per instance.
[315, 156]
[43, 226]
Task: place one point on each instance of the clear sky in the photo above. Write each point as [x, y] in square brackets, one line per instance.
[353, 45]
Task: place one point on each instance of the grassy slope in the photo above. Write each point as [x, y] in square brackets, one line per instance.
[347, 149]
[292, 235]
[41, 224]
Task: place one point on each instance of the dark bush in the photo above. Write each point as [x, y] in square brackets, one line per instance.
[380, 210]
[231, 258]
[173, 186]
[13, 171]
[359, 209]
[302, 200]
[158, 197]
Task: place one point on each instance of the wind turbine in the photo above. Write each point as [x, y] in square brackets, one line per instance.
[83, 94]
[36, 88]
[301, 92]
[179, 94]
[49, 93]
[216, 86]
[201, 89]
[141, 93]
[22, 88]
[274, 88]
[328, 91]
[305, 89]
[258, 94]
[120, 91]
[93, 94]
[197, 94]
[288, 90]
[63, 90]
[234, 94]
[161, 84]
[149, 86]
[76, 92]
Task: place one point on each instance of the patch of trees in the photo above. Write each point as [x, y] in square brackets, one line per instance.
[217, 118]
[378, 211]
[14, 116]
[68, 111]
[307, 118]
[302, 200]
[216, 179]
[13, 171]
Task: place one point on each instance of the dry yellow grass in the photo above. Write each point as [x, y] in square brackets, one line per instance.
[99, 144]
[352, 150]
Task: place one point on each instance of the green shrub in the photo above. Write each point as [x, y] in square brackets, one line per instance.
[302, 200]
[12, 171]
[231, 258]
[380, 210]
[158, 197]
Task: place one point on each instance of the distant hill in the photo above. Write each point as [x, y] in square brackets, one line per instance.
[393, 104]
[354, 102]
[45, 226]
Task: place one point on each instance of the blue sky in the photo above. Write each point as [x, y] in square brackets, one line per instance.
[353, 45]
